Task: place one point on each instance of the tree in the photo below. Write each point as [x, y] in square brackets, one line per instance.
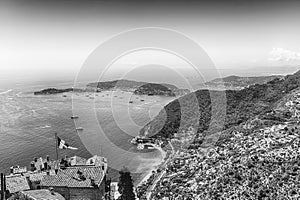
[125, 185]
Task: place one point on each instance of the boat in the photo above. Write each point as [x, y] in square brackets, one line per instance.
[133, 141]
[149, 147]
[130, 101]
[74, 117]
[64, 95]
[140, 146]
[79, 129]
[142, 100]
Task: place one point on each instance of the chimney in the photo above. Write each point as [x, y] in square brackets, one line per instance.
[32, 166]
[63, 164]
[52, 190]
[11, 169]
[93, 182]
[45, 165]
[67, 161]
[81, 175]
[48, 158]
[35, 159]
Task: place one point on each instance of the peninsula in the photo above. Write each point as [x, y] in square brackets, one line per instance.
[139, 88]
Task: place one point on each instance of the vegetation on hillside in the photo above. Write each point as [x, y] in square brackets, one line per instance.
[56, 91]
[123, 84]
[154, 89]
[237, 82]
[140, 88]
[240, 106]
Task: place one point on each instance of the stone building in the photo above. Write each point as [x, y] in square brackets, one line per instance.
[39, 195]
[14, 184]
[73, 178]
[78, 180]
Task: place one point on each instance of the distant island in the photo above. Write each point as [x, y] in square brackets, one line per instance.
[237, 82]
[139, 88]
[49, 91]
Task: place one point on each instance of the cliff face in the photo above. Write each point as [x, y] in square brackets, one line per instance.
[241, 105]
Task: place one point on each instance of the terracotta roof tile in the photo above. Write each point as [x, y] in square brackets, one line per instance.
[37, 176]
[42, 195]
[16, 183]
[69, 177]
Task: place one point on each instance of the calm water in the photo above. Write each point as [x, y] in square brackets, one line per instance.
[28, 124]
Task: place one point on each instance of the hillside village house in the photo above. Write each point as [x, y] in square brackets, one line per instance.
[40, 195]
[73, 178]
[14, 184]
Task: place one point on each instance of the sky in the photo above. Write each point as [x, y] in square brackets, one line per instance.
[51, 40]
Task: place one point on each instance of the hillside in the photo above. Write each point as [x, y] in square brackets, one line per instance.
[258, 159]
[237, 82]
[154, 89]
[241, 105]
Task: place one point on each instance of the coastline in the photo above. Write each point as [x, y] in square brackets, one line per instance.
[53, 113]
[147, 174]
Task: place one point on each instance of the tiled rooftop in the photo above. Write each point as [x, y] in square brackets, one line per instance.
[42, 195]
[16, 183]
[70, 177]
[38, 176]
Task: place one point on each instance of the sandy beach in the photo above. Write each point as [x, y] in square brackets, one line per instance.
[150, 165]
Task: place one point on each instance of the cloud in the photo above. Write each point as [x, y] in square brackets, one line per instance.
[280, 54]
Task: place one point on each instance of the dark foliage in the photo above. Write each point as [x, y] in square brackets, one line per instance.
[126, 185]
[154, 89]
[125, 84]
[56, 91]
[237, 81]
[240, 106]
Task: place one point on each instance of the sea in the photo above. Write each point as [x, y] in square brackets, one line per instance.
[109, 120]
